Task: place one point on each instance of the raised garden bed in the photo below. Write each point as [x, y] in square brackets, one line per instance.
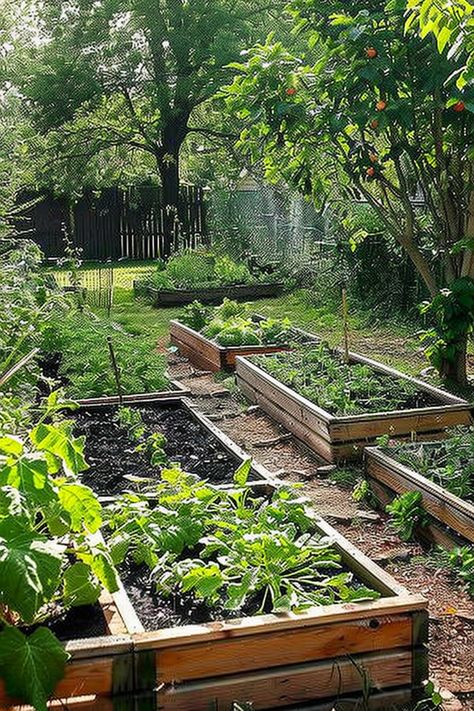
[389, 477]
[273, 660]
[206, 354]
[192, 441]
[286, 660]
[343, 437]
[211, 295]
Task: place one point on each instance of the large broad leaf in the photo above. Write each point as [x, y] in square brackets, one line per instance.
[29, 474]
[100, 561]
[30, 568]
[59, 443]
[12, 502]
[80, 586]
[31, 666]
[82, 505]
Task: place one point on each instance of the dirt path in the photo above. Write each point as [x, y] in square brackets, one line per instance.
[451, 610]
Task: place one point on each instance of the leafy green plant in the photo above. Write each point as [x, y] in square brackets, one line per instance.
[407, 514]
[461, 561]
[449, 463]
[231, 325]
[131, 419]
[85, 365]
[200, 269]
[49, 561]
[321, 375]
[229, 547]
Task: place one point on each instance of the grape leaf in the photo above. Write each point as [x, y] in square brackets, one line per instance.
[57, 442]
[80, 586]
[29, 474]
[30, 568]
[31, 666]
[82, 505]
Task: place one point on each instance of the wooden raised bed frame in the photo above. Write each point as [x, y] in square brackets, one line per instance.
[209, 355]
[212, 295]
[275, 661]
[390, 478]
[338, 438]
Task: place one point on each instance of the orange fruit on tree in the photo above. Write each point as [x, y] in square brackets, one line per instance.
[381, 105]
[371, 52]
[370, 172]
[291, 91]
[373, 157]
[374, 124]
[459, 106]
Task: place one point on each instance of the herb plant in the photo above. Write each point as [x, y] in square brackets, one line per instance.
[449, 463]
[193, 269]
[230, 548]
[407, 514]
[85, 367]
[321, 375]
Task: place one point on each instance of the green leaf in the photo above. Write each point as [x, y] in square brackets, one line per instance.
[82, 505]
[28, 474]
[11, 446]
[100, 562]
[242, 474]
[31, 666]
[57, 442]
[204, 580]
[30, 568]
[80, 586]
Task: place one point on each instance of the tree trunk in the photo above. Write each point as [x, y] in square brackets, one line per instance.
[172, 138]
[455, 370]
[169, 174]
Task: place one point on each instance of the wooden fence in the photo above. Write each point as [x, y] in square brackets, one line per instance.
[115, 224]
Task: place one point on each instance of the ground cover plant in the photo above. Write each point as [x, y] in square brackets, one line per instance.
[322, 375]
[228, 549]
[231, 324]
[449, 463]
[200, 270]
[78, 346]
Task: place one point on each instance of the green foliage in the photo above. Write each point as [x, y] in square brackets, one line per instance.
[321, 375]
[229, 547]
[85, 366]
[449, 463]
[31, 665]
[461, 560]
[231, 325]
[453, 312]
[407, 514]
[197, 269]
[47, 561]
[452, 23]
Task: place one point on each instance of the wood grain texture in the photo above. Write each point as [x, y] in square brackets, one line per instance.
[237, 655]
[292, 685]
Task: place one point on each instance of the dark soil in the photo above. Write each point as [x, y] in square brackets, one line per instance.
[111, 453]
[79, 623]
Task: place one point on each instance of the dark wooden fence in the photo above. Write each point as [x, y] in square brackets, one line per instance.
[115, 224]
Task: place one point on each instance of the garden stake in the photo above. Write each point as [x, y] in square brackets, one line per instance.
[116, 370]
[345, 318]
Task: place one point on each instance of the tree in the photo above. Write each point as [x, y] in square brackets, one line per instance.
[452, 23]
[132, 73]
[372, 117]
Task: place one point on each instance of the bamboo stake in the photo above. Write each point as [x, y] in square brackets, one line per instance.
[345, 318]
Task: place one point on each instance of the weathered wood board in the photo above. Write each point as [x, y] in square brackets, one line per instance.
[213, 295]
[448, 509]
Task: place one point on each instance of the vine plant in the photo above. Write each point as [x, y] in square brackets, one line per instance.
[49, 560]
